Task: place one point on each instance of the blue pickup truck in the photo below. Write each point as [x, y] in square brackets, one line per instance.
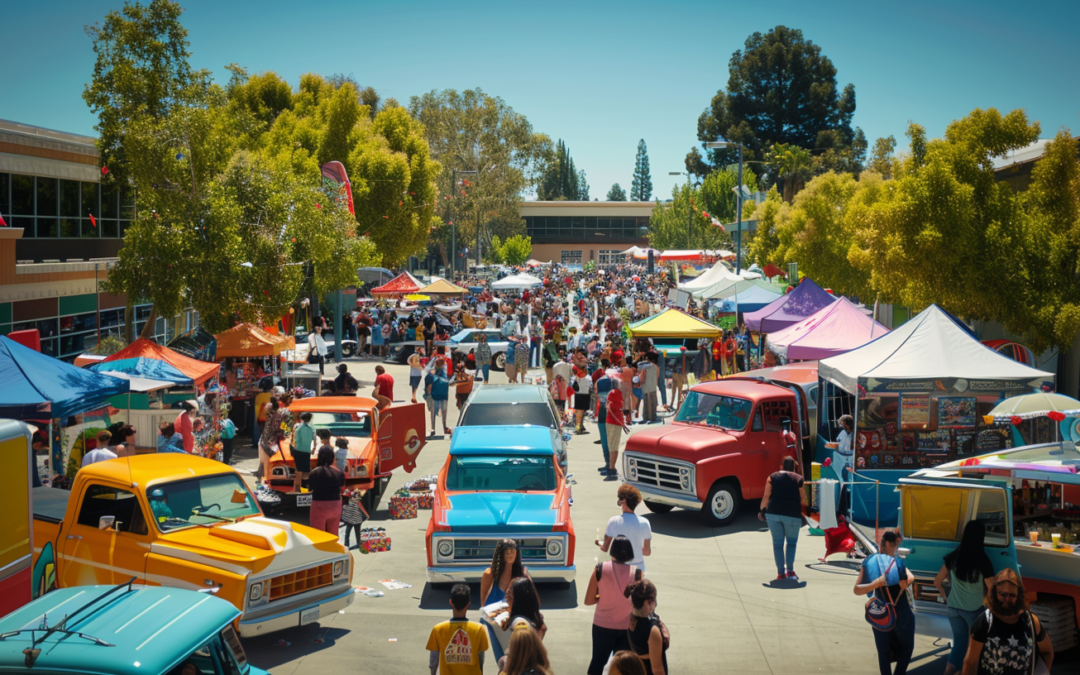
[124, 630]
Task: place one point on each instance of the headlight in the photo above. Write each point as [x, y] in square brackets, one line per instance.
[339, 568]
[256, 592]
[684, 478]
[554, 548]
[446, 548]
[259, 593]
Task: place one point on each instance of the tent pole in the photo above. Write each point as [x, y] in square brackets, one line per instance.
[55, 452]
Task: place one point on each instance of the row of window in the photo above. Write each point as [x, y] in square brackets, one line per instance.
[562, 228]
[59, 208]
[66, 337]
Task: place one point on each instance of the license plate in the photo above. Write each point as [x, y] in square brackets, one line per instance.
[303, 500]
[309, 616]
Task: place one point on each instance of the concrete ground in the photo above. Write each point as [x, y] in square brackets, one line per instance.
[715, 592]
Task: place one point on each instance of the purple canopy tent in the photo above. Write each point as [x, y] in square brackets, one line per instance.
[836, 328]
[806, 299]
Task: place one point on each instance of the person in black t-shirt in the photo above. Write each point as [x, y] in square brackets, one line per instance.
[888, 577]
[1006, 636]
[429, 332]
[345, 383]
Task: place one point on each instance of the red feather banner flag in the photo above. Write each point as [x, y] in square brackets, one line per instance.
[2, 223]
[92, 221]
[336, 183]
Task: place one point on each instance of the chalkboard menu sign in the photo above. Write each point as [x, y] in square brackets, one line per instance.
[934, 441]
[965, 442]
[992, 440]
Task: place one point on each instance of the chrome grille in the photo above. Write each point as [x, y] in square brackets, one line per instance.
[664, 475]
[483, 550]
[303, 580]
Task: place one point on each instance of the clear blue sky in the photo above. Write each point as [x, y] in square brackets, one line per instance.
[599, 75]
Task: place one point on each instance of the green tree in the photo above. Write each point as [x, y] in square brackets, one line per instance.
[641, 186]
[473, 131]
[516, 250]
[559, 178]
[793, 165]
[684, 223]
[616, 194]
[583, 187]
[141, 71]
[763, 247]
[781, 89]
[717, 193]
[881, 158]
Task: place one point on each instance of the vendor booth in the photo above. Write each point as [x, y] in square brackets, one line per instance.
[918, 396]
[443, 289]
[673, 323]
[402, 284]
[516, 282]
[835, 329]
[39, 387]
[804, 300]
[250, 354]
[752, 299]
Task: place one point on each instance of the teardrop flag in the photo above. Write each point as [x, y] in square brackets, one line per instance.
[92, 220]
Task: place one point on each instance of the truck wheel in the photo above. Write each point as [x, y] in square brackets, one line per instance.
[499, 362]
[722, 505]
[348, 350]
[657, 507]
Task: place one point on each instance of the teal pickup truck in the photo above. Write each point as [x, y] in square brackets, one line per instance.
[123, 630]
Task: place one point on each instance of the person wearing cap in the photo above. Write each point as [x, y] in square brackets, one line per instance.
[159, 505]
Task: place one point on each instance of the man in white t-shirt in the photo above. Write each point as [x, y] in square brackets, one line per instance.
[102, 452]
[630, 525]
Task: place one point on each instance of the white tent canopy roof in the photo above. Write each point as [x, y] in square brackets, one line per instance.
[140, 384]
[930, 346]
[719, 282]
[516, 281]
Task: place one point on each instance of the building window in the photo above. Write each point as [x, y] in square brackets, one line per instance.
[46, 196]
[5, 194]
[610, 257]
[571, 257]
[22, 195]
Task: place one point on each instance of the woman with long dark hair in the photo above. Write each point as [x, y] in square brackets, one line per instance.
[645, 634]
[970, 573]
[326, 482]
[606, 591]
[524, 610]
[505, 567]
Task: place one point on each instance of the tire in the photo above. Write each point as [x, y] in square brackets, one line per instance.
[656, 507]
[722, 505]
[499, 362]
[348, 350]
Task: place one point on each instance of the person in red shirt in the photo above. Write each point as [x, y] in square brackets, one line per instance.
[719, 353]
[730, 350]
[384, 388]
[616, 425]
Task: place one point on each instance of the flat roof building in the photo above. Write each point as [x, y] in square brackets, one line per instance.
[574, 233]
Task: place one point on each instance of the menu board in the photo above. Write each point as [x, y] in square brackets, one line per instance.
[934, 441]
[966, 443]
[992, 440]
[956, 412]
[914, 412]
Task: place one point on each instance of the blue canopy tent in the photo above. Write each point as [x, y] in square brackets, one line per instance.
[151, 369]
[37, 386]
[750, 300]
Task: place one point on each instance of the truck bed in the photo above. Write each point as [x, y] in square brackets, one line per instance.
[50, 504]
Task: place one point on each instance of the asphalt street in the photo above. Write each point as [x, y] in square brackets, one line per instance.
[715, 592]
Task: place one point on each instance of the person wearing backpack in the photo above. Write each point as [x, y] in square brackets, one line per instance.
[228, 435]
[647, 634]
[1006, 638]
[612, 615]
[886, 577]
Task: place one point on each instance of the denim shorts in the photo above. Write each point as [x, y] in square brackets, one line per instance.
[414, 381]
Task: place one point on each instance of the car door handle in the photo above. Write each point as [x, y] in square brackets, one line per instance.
[74, 536]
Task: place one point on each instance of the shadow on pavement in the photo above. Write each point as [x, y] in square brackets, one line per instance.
[785, 584]
[264, 652]
[690, 525]
[552, 596]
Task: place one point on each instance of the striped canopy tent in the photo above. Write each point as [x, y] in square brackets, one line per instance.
[146, 358]
[402, 284]
[673, 323]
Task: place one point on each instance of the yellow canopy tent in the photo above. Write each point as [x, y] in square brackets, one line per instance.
[443, 287]
[673, 323]
[248, 340]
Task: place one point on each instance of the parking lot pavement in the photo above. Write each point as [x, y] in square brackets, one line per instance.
[714, 593]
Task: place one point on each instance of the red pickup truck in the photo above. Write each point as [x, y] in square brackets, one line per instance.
[726, 439]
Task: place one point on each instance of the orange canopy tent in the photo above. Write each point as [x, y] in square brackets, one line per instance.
[199, 371]
[248, 340]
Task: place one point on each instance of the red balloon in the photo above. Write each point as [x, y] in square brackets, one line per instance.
[1016, 420]
[104, 171]
[1056, 415]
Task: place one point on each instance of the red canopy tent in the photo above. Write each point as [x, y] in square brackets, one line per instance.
[199, 371]
[402, 284]
[772, 270]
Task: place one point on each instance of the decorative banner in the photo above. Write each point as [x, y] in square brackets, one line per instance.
[956, 412]
[336, 183]
[914, 412]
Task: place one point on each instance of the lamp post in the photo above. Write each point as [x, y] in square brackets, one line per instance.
[689, 208]
[721, 143]
[453, 228]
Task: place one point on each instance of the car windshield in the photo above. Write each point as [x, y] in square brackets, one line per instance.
[343, 424]
[509, 413]
[495, 472]
[726, 412]
[200, 501]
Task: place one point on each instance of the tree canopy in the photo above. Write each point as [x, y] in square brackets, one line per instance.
[781, 89]
[641, 187]
[686, 222]
[560, 180]
[616, 194]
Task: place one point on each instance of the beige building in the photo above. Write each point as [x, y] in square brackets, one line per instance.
[574, 233]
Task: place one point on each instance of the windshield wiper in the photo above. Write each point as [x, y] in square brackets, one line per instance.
[196, 512]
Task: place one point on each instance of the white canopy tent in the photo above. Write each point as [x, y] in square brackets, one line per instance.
[719, 282]
[516, 282]
[930, 347]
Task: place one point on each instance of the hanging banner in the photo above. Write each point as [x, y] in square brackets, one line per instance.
[336, 182]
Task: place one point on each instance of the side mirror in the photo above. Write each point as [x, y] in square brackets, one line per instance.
[106, 522]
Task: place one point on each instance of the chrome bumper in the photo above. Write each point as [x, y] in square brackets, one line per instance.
[932, 623]
[660, 496]
[445, 574]
[290, 618]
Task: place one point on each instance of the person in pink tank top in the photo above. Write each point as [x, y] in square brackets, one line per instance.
[612, 615]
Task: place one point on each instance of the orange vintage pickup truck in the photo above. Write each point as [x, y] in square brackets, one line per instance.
[178, 520]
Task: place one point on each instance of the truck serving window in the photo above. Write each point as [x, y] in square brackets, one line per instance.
[503, 474]
[101, 500]
[726, 412]
[200, 501]
[940, 513]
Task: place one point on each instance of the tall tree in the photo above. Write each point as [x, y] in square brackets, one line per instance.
[473, 131]
[881, 158]
[141, 71]
[559, 178]
[641, 186]
[684, 223]
[781, 89]
[793, 166]
[616, 194]
[582, 187]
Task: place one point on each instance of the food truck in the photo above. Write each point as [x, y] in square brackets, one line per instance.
[1029, 500]
[16, 544]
